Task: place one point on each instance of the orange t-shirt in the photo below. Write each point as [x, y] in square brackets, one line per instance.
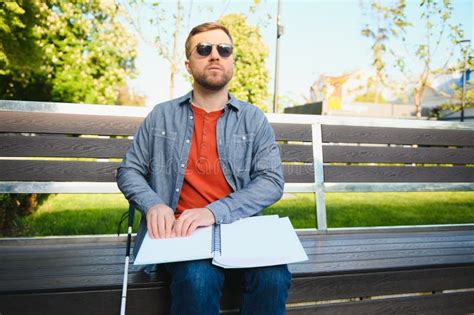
[204, 181]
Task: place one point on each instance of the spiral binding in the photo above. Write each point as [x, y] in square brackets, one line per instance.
[216, 239]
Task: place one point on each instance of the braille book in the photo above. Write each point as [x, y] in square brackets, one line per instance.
[251, 242]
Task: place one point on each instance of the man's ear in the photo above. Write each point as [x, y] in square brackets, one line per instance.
[188, 67]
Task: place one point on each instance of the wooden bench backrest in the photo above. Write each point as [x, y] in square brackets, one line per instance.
[68, 148]
[46, 146]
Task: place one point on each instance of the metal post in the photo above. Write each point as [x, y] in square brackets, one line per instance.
[319, 176]
[277, 58]
[464, 78]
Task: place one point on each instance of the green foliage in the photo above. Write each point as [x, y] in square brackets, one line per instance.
[19, 49]
[15, 206]
[469, 102]
[370, 97]
[69, 51]
[250, 53]
[438, 28]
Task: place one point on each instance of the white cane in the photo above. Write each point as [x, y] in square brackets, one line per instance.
[131, 212]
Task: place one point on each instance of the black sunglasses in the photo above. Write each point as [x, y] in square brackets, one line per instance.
[204, 49]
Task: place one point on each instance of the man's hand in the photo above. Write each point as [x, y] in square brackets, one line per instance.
[192, 219]
[160, 220]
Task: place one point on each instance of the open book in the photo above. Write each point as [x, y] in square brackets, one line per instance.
[250, 242]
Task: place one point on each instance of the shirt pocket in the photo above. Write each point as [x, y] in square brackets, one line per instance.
[165, 134]
[164, 146]
[241, 152]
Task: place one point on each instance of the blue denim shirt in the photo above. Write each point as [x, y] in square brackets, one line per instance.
[153, 169]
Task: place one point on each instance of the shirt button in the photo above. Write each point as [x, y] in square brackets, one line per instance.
[187, 141]
[163, 132]
[182, 165]
[244, 137]
[177, 189]
[191, 117]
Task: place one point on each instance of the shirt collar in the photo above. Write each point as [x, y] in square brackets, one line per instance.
[233, 102]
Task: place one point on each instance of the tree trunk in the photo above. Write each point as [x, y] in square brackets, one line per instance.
[418, 96]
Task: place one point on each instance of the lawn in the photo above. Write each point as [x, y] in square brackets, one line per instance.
[99, 214]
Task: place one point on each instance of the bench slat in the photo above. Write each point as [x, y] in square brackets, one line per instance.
[292, 132]
[139, 301]
[70, 171]
[34, 122]
[385, 259]
[380, 283]
[56, 146]
[15, 263]
[302, 290]
[365, 154]
[320, 244]
[296, 153]
[356, 134]
[396, 174]
[59, 171]
[452, 303]
[74, 171]
[79, 147]
[37, 122]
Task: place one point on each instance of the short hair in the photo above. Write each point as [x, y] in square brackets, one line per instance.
[201, 28]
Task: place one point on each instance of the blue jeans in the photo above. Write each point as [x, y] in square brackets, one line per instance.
[196, 288]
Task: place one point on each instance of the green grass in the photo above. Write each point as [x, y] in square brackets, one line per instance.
[78, 215]
[380, 209]
[99, 214]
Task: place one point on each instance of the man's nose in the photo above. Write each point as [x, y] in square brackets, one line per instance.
[214, 53]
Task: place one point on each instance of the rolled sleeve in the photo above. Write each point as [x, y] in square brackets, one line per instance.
[220, 211]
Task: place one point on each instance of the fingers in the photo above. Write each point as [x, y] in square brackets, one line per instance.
[169, 222]
[178, 225]
[161, 226]
[160, 221]
[152, 224]
[192, 227]
[191, 219]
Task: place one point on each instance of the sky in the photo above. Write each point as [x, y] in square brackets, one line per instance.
[320, 37]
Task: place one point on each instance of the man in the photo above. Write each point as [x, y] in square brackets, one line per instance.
[202, 159]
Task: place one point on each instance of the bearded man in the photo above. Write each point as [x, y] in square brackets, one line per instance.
[206, 158]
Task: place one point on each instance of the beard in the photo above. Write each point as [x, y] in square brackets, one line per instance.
[213, 82]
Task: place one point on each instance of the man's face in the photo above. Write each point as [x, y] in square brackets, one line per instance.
[212, 72]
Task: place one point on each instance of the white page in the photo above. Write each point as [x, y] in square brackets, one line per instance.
[196, 246]
[259, 241]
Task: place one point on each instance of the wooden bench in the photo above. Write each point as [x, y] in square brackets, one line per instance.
[423, 269]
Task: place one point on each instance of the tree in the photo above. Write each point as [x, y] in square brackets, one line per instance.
[250, 53]
[160, 25]
[85, 53]
[384, 21]
[130, 98]
[70, 51]
[19, 46]
[158, 38]
[437, 30]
